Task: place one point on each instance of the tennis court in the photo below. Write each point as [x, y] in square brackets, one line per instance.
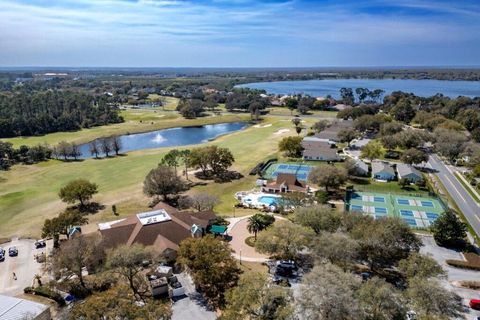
[418, 212]
[300, 170]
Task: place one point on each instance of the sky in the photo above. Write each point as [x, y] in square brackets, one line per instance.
[239, 33]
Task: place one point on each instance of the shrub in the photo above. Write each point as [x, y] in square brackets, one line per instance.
[48, 293]
[250, 241]
[28, 290]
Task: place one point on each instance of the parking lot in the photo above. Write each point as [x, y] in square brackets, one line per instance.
[24, 265]
[441, 254]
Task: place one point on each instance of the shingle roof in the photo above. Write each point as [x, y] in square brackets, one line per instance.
[289, 180]
[313, 148]
[406, 169]
[162, 235]
[380, 166]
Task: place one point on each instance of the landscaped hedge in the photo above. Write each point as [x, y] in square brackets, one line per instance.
[472, 263]
[48, 293]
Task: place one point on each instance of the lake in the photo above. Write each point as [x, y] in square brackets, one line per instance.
[170, 137]
[322, 88]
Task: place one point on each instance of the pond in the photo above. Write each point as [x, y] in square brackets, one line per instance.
[170, 137]
[322, 88]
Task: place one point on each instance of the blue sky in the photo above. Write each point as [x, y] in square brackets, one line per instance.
[239, 33]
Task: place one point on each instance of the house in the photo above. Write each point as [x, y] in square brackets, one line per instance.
[361, 168]
[319, 149]
[382, 171]
[285, 182]
[15, 308]
[163, 228]
[331, 133]
[359, 144]
[408, 172]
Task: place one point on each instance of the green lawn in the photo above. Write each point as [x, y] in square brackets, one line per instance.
[370, 185]
[286, 112]
[467, 186]
[28, 194]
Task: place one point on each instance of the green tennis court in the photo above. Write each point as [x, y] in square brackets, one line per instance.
[418, 212]
[298, 169]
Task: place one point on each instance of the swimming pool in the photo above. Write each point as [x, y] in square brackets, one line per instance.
[268, 200]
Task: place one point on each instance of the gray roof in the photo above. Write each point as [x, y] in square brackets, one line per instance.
[361, 165]
[380, 166]
[406, 169]
[315, 147]
[14, 308]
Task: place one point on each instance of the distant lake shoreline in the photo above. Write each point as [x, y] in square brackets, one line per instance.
[322, 88]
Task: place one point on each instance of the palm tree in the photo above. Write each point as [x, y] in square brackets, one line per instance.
[255, 224]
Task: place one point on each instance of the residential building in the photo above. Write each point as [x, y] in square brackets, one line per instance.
[361, 168]
[382, 171]
[319, 149]
[163, 228]
[331, 133]
[406, 171]
[285, 182]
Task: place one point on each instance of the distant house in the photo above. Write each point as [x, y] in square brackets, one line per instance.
[382, 171]
[331, 133]
[318, 149]
[361, 168]
[406, 171]
[285, 182]
[359, 144]
[163, 228]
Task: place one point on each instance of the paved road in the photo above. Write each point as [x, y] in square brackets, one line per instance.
[192, 305]
[464, 200]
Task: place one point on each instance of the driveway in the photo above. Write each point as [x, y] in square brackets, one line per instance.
[192, 305]
[237, 229]
[441, 254]
[24, 265]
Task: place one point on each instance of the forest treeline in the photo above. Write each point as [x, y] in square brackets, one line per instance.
[35, 113]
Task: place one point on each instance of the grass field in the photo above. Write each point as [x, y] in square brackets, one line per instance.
[28, 194]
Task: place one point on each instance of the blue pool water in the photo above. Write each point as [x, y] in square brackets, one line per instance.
[322, 88]
[268, 200]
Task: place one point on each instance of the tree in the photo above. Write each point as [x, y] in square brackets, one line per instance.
[292, 146]
[448, 230]
[347, 96]
[284, 240]
[116, 144]
[296, 122]
[381, 301]
[372, 150]
[418, 265]
[430, 300]
[162, 181]
[213, 158]
[74, 151]
[319, 218]
[449, 143]
[255, 298]
[79, 252]
[414, 156]
[327, 293]
[384, 242]
[61, 224]
[338, 248]
[78, 190]
[403, 111]
[94, 148]
[403, 182]
[347, 134]
[64, 149]
[213, 269]
[172, 159]
[291, 104]
[203, 201]
[259, 222]
[119, 303]
[390, 128]
[321, 125]
[106, 146]
[126, 261]
[328, 176]
[185, 157]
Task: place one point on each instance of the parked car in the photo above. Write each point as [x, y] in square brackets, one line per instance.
[40, 244]
[2, 256]
[13, 251]
[2, 250]
[475, 304]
